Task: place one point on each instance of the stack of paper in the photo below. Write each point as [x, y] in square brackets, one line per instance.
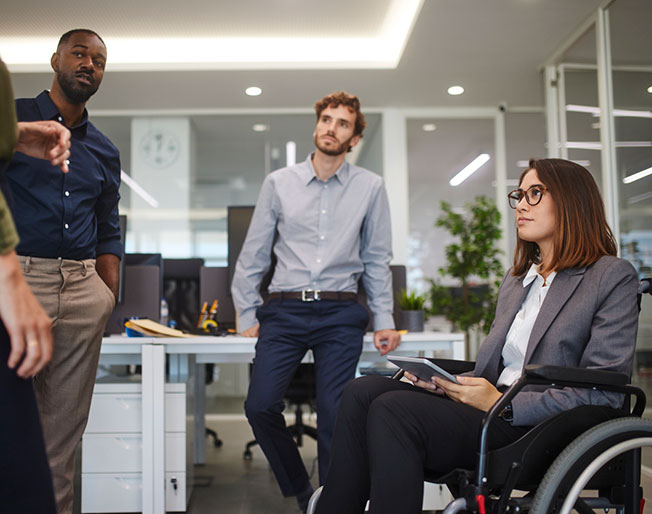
[154, 329]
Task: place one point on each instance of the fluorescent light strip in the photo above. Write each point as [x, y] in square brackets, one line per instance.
[639, 198]
[525, 164]
[138, 189]
[469, 169]
[595, 145]
[637, 176]
[382, 51]
[627, 113]
[290, 153]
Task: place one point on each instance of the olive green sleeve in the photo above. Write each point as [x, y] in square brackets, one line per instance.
[8, 135]
[8, 234]
[8, 127]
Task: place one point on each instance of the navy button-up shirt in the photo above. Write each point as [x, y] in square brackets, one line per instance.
[70, 215]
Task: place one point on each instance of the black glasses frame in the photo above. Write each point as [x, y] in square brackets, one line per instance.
[533, 195]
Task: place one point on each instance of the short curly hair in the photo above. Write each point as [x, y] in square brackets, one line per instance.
[343, 98]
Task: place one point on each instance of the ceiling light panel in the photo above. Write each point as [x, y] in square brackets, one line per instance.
[290, 46]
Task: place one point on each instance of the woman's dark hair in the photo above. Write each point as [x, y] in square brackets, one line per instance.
[582, 235]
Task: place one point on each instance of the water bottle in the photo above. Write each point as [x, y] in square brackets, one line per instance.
[164, 312]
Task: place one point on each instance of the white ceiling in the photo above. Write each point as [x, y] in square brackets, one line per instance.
[491, 47]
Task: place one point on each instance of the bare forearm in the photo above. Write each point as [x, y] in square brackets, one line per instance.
[108, 268]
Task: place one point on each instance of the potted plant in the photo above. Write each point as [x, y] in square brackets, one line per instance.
[474, 256]
[412, 310]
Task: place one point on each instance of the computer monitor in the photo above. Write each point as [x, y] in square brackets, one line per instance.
[147, 259]
[181, 290]
[238, 220]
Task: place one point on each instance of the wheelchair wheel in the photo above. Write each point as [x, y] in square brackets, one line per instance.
[583, 458]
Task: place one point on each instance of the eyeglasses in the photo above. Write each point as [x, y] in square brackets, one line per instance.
[533, 195]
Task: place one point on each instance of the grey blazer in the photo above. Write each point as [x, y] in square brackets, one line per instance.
[588, 319]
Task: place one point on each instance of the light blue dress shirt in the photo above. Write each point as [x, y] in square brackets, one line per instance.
[328, 234]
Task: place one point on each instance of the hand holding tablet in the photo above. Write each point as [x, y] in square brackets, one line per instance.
[421, 367]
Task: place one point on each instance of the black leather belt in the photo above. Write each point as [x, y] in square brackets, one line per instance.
[313, 295]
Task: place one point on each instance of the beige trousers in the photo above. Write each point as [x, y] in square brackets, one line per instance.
[79, 303]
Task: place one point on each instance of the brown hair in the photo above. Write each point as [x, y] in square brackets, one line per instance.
[343, 98]
[582, 235]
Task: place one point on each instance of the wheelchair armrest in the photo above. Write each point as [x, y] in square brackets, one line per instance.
[582, 376]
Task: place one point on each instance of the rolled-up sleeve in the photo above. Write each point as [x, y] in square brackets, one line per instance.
[376, 254]
[255, 257]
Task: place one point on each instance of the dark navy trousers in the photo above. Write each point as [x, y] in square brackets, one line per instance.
[25, 479]
[333, 330]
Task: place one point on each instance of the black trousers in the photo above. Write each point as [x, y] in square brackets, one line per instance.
[334, 331]
[386, 433]
[25, 480]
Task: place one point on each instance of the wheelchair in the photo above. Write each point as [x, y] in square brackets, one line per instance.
[581, 460]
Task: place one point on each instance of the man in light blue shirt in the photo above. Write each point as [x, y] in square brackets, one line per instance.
[327, 223]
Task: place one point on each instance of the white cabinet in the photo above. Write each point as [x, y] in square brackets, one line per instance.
[112, 449]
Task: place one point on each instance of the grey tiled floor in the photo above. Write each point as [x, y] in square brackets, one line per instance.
[229, 484]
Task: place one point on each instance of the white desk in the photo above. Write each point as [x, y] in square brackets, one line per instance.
[150, 352]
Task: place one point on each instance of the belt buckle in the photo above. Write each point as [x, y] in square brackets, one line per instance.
[310, 295]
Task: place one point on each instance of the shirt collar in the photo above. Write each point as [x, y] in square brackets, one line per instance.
[49, 111]
[308, 173]
[533, 273]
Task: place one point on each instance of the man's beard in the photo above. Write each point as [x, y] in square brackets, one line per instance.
[334, 152]
[75, 92]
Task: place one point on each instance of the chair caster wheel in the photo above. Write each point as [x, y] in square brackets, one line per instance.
[247, 455]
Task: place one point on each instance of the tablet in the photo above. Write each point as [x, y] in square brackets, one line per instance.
[421, 367]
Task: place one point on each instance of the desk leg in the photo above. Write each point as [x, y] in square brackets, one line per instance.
[459, 352]
[200, 411]
[153, 384]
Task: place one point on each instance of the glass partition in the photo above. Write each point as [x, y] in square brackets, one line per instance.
[183, 172]
[631, 50]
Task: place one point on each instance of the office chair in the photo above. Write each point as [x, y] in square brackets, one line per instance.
[300, 392]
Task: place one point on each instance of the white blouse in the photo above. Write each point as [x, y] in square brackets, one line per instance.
[519, 333]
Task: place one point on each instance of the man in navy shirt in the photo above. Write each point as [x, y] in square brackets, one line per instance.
[69, 246]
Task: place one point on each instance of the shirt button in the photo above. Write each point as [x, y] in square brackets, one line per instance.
[65, 226]
[322, 237]
[68, 162]
[60, 118]
[323, 211]
[67, 193]
[318, 261]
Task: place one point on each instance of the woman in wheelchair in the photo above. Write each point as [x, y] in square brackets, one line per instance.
[567, 301]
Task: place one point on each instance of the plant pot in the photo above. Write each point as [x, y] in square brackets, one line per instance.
[412, 321]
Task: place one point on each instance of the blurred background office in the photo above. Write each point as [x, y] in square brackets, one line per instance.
[204, 98]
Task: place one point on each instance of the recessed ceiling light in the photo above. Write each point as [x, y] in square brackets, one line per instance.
[253, 91]
[455, 90]
[429, 127]
[649, 89]
[260, 127]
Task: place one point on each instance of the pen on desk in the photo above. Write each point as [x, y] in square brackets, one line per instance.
[202, 314]
[213, 311]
